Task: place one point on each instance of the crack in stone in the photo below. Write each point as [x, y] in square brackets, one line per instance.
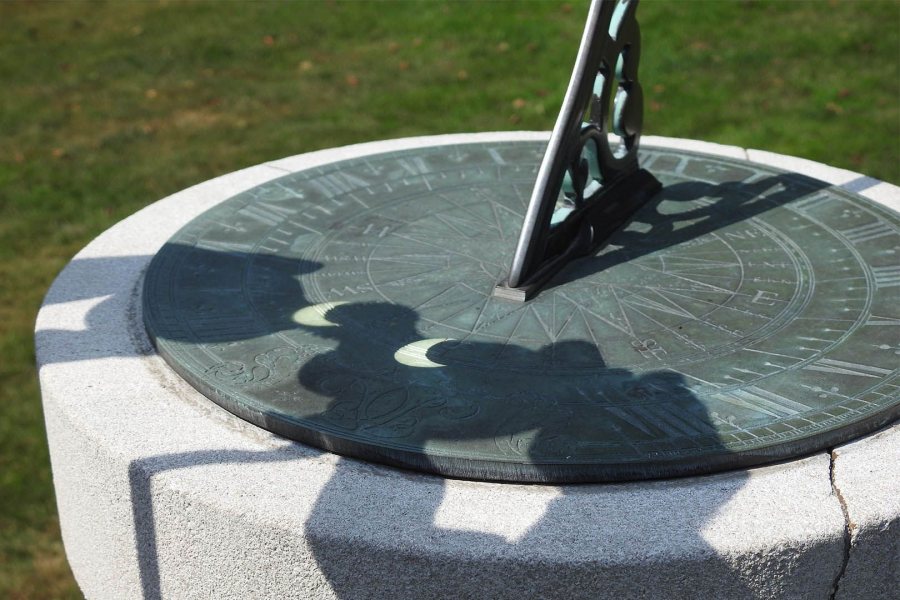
[848, 526]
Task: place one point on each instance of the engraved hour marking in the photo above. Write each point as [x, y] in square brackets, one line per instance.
[304, 227]
[358, 200]
[458, 155]
[764, 401]
[414, 166]
[371, 229]
[886, 276]
[277, 210]
[224, 246]
[265, 214]
[808, 203]
[495, 156]
[335, 184]
[765, 298]
[292, 193]
[662, 418]
[869, 231]
[840, 367]
[774, 354]
[876, 320]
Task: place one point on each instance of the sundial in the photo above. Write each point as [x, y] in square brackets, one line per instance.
[578, 310]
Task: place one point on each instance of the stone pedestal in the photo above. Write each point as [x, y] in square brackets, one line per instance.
[162, 494]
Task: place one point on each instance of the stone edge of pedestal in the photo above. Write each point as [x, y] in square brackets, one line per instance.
[168, 493]
[866, 480]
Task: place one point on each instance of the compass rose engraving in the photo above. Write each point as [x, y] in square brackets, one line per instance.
[670, 302]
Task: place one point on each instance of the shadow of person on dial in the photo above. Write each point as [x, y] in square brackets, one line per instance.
[553, 412]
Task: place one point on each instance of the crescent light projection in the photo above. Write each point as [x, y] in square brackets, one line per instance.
[314, 316]
[416, 353]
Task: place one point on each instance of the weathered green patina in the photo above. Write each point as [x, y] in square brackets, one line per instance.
[745, 315]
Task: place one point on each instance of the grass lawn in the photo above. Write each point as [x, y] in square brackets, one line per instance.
[106, 107]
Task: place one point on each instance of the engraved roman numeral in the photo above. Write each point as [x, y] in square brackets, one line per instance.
[352, 290]
[869, 231]
[886, 276]
[458, 155]
[763, 401]
[412, 166]
[840, 367]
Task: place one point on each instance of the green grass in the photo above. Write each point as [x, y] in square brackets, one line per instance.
[106, 107]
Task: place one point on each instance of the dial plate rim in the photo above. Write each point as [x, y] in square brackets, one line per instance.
[624, 471]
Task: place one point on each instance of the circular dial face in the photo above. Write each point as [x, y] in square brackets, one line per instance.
[745, 315]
